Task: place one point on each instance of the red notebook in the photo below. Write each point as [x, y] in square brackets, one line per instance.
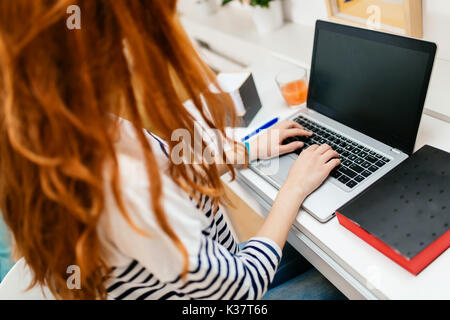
[406, 214]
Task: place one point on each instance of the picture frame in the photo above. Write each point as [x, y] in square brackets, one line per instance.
[402, 17]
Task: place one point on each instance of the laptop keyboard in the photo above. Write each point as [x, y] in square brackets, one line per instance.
[357, 162]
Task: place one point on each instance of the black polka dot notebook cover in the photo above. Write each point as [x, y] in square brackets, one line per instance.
[406, 214]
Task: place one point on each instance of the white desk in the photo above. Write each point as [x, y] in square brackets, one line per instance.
[353, 266]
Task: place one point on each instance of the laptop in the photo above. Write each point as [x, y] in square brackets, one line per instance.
[366, 95]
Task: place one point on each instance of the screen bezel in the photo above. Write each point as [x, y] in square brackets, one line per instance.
[430, 48]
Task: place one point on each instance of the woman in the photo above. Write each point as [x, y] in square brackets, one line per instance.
[82, 187]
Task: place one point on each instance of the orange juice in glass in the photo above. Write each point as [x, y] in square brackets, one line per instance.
[293, 85]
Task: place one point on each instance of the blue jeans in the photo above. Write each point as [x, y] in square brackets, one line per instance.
[297, 279]
[5, 250]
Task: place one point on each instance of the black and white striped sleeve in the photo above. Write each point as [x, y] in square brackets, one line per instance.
[215, 273]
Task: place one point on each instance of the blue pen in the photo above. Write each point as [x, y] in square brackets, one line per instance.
[267, 125]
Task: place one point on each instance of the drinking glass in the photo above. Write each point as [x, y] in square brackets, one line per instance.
[293, 85]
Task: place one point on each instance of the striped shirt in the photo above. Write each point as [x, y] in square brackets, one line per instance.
[150, 267]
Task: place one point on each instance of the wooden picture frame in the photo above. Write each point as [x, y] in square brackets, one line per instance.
[402, 17]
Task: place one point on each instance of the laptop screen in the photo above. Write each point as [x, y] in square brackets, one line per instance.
[373, 82]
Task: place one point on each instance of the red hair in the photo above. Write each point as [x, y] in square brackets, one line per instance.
[57, 88]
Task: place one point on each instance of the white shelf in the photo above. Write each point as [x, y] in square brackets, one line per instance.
[232, 32]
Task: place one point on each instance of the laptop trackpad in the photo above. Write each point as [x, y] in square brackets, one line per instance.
[322, 203]
[277, 169]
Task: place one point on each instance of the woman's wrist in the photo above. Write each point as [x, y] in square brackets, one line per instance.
[284, 210]
[293, 191]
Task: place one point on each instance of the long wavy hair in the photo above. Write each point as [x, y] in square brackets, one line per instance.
[57, 90]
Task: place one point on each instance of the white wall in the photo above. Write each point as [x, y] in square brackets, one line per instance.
[305, 11]
[436, 25]
[436, 19]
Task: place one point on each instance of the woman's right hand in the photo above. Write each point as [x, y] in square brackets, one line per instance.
[307, 173]
[311, 168]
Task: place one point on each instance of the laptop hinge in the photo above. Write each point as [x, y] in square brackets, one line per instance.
[396, 151]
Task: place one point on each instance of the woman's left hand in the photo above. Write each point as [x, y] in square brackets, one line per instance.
[269, 143]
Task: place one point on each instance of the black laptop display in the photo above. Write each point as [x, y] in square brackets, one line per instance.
[373, 82]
